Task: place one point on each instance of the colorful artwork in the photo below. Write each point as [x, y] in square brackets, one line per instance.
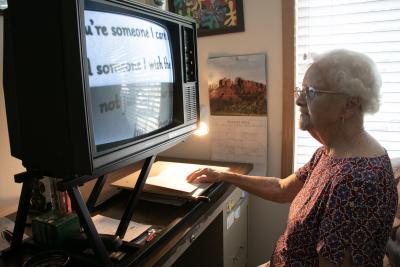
[237, 85]
[212, 16]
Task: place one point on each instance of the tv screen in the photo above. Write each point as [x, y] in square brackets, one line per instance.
[131, 77]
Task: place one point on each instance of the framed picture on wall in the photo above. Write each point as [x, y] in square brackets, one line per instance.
[212, 16]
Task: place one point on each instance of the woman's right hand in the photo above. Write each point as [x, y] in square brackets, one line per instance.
[205, 175]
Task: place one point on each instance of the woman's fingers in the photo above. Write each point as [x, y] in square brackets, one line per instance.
[193, 175]
[197, 174]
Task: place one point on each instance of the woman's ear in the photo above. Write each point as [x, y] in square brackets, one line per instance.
[353, 105]
[354, 102]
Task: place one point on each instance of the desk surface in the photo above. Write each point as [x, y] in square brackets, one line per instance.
[177, 222]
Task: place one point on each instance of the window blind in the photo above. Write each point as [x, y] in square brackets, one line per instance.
[368, 26]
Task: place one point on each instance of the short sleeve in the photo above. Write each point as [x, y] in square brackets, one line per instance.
[304, 172]
[357, 219]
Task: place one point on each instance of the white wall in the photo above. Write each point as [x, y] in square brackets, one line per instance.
[263, 34]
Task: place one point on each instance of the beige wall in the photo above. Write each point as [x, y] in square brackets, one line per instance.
[263, 34]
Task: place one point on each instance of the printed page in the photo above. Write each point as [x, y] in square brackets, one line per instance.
[174, 177]
[107, 225]
[169, 178]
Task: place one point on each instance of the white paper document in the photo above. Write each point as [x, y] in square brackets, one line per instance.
[6, 225]
[169, 179]
[174, 177]
[107, 225]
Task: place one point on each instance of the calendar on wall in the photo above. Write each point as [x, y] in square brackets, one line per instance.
[238, 107]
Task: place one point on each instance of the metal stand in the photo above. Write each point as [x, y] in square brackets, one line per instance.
[94, 195]
[27, 179]
[88, 225]
[133, 197]
[81, 208]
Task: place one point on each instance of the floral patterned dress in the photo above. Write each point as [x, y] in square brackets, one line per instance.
[345, 204]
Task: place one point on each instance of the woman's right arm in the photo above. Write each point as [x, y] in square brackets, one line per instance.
[270, 188]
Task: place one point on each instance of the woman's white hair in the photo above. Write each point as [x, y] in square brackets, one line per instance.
[352, 73]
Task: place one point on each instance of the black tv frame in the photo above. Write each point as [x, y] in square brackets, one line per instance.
[67, 149]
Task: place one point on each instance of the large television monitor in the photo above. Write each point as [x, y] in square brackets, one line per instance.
[94, 85]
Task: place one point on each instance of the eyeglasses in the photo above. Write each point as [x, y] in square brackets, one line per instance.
[310, 92]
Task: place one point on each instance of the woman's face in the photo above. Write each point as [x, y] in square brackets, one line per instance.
[322, 111]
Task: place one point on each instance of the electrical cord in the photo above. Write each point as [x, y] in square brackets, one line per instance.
[51, 258]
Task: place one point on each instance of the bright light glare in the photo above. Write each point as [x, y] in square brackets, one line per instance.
[202, 130]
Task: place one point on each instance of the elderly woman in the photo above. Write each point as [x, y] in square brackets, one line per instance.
[343, 200]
